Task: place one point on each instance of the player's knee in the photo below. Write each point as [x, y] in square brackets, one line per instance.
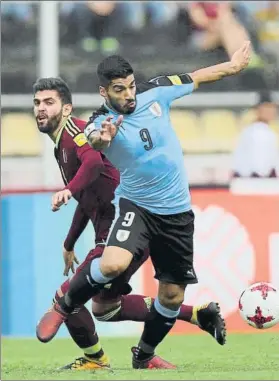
[115, 261]
[112, 269]
[173, 302]
[171, 295]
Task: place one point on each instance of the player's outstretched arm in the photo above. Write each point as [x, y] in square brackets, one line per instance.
[238, 62]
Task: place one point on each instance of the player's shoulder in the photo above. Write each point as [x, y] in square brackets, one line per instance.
[142, 87]
[164, 80]
[78, 123]
[101, 112]
[74, 131]
[152, 84]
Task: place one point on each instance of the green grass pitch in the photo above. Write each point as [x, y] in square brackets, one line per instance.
[198, 357]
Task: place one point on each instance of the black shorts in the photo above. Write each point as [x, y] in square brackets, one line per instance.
[168, 237]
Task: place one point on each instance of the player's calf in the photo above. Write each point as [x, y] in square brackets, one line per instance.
[161, 320]
[81, 288]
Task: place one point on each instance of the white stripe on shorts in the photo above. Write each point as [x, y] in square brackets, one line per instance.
[117, 215]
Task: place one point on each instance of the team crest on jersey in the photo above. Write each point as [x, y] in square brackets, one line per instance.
[64, 154]
[155, 108]
[122, 235]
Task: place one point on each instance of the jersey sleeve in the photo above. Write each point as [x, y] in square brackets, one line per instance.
[79, 223]
[173, 86]
[94, 124]
[91, 163]
[95, 121]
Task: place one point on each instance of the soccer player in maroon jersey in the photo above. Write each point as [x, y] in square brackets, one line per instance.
[91, 179]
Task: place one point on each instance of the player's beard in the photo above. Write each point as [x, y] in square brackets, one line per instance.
[51, 124]
[122, 109]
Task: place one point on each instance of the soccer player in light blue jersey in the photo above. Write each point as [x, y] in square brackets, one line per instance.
[153, 204]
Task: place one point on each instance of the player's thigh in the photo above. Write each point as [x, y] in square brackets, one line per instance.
[172, 250]
[115, 261]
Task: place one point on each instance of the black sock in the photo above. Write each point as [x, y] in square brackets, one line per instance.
[82, 328]
[155, 329]
[82, 287]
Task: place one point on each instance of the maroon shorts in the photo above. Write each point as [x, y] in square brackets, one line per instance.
[119, 286]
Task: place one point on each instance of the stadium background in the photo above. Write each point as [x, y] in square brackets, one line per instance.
[237, 239]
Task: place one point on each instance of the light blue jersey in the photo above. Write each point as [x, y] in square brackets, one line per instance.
[147, 152]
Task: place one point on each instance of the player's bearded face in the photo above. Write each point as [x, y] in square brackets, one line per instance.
[121, 95]
[48, 124]
[48, 111]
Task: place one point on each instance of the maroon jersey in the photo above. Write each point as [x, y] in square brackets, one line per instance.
[89, 176]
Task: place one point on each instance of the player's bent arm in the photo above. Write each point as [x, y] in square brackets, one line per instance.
[95, 140]
[79, 223]
[91, 167]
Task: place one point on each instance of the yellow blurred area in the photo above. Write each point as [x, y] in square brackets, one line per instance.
[209, 131]
[19, 135]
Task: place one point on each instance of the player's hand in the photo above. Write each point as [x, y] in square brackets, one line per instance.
[69, 259]
[60, 198]
[241, 57]
[109, 129]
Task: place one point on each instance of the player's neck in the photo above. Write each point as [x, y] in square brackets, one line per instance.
[109, 106]
[53, 136]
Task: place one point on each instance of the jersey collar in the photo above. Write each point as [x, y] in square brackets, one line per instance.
[110, 109]
[58, 137]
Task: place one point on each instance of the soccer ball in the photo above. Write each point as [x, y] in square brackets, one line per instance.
[259, 305]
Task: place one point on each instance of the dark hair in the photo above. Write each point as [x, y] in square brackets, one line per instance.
[113, 67]
[57, 84]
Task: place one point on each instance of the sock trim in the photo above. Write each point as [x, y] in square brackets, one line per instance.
[93, 349]
[164, 311]
[146, 348]
[96, 272]
[108, 315]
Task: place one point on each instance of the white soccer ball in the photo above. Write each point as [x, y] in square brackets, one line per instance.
[259, 305]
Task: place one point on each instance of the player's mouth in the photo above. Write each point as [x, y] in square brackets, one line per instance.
[42, 118]
[131, 104]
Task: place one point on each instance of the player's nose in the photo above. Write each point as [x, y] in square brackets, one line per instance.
[41, 105]
[129, 96]
[41, 108]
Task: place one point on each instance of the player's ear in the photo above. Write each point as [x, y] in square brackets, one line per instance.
[102, 91]
[67, 110]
